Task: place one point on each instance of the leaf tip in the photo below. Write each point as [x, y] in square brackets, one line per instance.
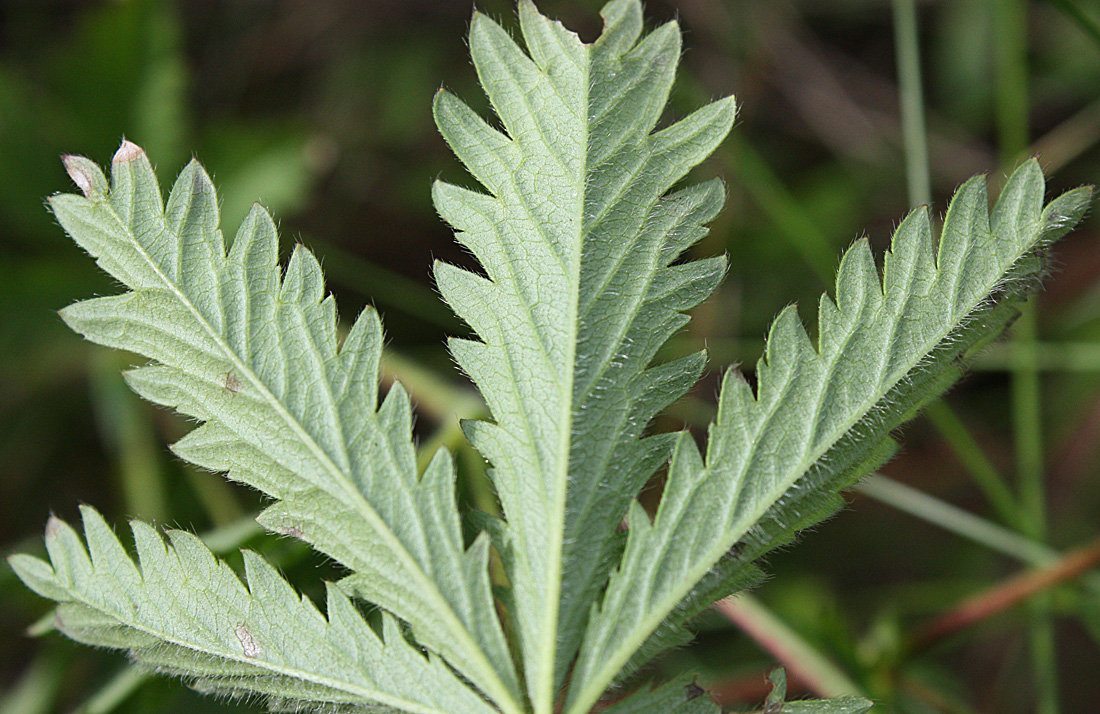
[86, 175]
[54, 527]
[128, 151]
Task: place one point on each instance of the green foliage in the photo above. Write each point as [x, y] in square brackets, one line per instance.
[580, 232]
[184, 612]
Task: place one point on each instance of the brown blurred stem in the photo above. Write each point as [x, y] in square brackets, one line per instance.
[1007, 595]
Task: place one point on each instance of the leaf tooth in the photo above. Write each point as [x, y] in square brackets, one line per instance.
[628, 95]
[396, 421]
[735, 397]
[303, 283]
[150, 323]
[908, 282]
[958, 229]
[484, 151]
[687, 469]
[1064, 213]
[135, 197]
[680, 216]
[473, 298]
[215, 447]
[128, 151]
[267, 587]
[167, 387]
[788, 343]
[39, 576]
[622, 25]
[69, 558]
[360, 358]
[435, 495]
[667, 382]
[348, 632]
[251, 285]
[858, 288]
[256, 245]
[682, 287]
[680, 147]
[107, 553]
[191, 216]
[151, 549]
[487, 437]
[551, 45]
[465, 210]
[1018, 209]
[909, 261]
[475, 360]
[829, 321]
[87, 175]
[508, 75]
[97, 229]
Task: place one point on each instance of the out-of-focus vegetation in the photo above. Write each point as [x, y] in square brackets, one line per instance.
[963, 581]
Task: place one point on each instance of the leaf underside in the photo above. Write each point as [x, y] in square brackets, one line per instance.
[821, 414]
[579, 225]
[577, 236]
[251, 350]
[181, 611]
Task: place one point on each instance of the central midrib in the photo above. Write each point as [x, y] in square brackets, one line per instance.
[543, 699]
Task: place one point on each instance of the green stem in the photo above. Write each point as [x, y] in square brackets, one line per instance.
[950, 427]
[114, 692]
[912, 102]
[956, 520]
[1027, 424]
[1011, 88]
[974, 460]
[1043, 356]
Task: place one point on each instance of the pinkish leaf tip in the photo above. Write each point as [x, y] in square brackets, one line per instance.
[128, 152]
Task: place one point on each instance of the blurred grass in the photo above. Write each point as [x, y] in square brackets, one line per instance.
[322, 111]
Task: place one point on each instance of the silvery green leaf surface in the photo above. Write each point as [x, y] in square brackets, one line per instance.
[577, 232]
[252, 351]
[821, 413]
[180, 610]
[579, 221]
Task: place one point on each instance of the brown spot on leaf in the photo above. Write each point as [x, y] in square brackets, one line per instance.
[79, 174]
[693, 691]
[292, 531]
[128, 152]
[54, 526]
[249, 645]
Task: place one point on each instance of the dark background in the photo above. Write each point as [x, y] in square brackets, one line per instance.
[322, 111]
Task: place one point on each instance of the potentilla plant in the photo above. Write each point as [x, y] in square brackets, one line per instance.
[580, 225]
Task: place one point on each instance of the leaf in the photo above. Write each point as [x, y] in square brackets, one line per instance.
[182, 611]
[253, 353]
[777, 700]
[577, 238]
[680, 696]
[821, 415]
